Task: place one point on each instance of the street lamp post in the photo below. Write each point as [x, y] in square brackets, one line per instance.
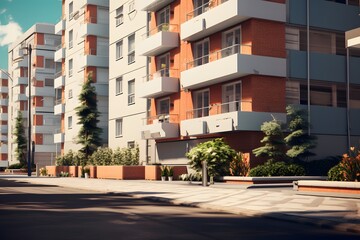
[29, 50]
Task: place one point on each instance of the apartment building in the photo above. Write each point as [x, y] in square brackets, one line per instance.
[84, 51]
[43, 41]
[127, 73]
[220, 68]
[4, 90]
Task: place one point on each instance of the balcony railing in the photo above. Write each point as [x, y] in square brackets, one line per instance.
[58, 74]
[58, 101]
[164, 72]
[204, 8]
[100, 51]
[165, 27]
[95, 20]
[220, 108]
[237, 48]
[162, 118]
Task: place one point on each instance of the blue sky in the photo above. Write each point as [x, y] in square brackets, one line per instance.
[17, 16]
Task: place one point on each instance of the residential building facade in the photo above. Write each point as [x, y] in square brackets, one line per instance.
[220, 68]
[127, 72]
[4, 90]
[83, 52]
[43, 41]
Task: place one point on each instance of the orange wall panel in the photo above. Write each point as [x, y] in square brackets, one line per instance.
[38, 138]
[91, 13]
[38, 120]
[39, 61]
[92, 72]
[38, 101]
[39, 39]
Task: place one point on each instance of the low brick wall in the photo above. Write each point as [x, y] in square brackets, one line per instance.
[328, 186]
[267, 180]
[178, 170]
[152, 172]
[54, 171]
[121, 172]
[73, 171]
[92, 171]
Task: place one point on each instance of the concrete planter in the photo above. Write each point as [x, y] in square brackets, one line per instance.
[73, 171]
[153, 172]
[267, 180]
[93, 173]
[54, 171]
[328, 186]
[121, 172]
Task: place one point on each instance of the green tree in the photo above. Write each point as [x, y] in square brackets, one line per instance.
[89, 134]
[299, 142]
[216, 153]
[274, 145]
[20, 140]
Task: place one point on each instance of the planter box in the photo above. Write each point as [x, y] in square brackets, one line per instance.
[154, 172]
[73, 171]
[267, 180]
[328, 186]
[121, 172]
[92, 171]
[54, 171]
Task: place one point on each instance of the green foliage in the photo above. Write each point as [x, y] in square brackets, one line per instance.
[68, 159]
[336, 174]
[102, 157]
[298, 141]
[271, 168]
[64, 174]
[89, 134]
[164, 171]
[126, 156]
[350, 165]
[239, 166]
[20, 140]
[216, 153]
[17, 166]
[191, 177]
[274, 145]
[170, 171]
[43, 172]
[318, 167]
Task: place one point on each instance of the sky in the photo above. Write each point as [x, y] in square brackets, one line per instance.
[17, 16]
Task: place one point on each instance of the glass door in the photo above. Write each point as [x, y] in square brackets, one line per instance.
[201, 52]
[162, 65]
[231, 42]
[231, 97]
[201, 103]
[163, 19]
[200, 6]
[163, 109]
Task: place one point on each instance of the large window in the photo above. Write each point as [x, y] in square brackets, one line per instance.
[163, 16]
[70, 67]
[49, 63]
[119, 85]
[231, 97]
[131, 49]
[49, 82]
[119, 49]
[70, 39]
[71, 10]
[119, 16]
[163, 106]
[201, 52]
[118, 127]
[231, 42]
[162, 65]
[200, 6]
[131, 92]
[201, 103]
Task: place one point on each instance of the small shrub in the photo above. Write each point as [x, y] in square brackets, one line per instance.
[170, 171]
[17, 166]
[126, 156]
[239, 165]
[191, 177]
[271, 168]
[67, 160]
[336, 174]
[164, 171]
[43, 172]
[350, 165]
[318, 167]
[102, 157]
[64, 174]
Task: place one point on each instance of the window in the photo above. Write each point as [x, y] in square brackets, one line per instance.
[200, 6]
[118, 127]
[70, 122]
[231, 42]
[49, 63]
[70, 94]
[163, 17]
[131, 6]
[231, 97]
[131, 92]
[49, 82]
[162, 65]
[201, 50]
[71, 9]
[119, 85]
[119, 16]
[70, 67]
[119, 50]
[163, 106]
[131, 49]
[131, 144]
[70, 39]
[201, 103]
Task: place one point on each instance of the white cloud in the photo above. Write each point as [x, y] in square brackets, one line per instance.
[3, 10]
[9, 33]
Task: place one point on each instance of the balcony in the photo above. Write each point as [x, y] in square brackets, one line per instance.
[353, 38]
[102, 89]
[225, 117]
[229, 63]
[91, 58]
[217, 15]
[161, 126]
[59, 137]
[153, 5]
[101, 3]
[60, 26]
[59, 53]
[20, 81]
[3, 150]
[59, 107]
[20, 63]
[159, 40]
[4, 89]
[94, 26]
[159, 84]
[3, 128]
[20, 97]
[59, 81]
[4, 102]
[41, 91]
[3, 116]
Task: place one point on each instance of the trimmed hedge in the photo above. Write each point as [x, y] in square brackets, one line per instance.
[277, 169]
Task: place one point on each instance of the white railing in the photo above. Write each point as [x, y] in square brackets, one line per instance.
[164, 72]
[162, 118]
[164, 27]
[203, 8]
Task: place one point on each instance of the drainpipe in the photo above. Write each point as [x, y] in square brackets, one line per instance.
[147, 100]
[308, 62]
[348, 97]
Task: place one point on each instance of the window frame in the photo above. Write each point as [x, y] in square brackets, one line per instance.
[119, 127]
[131, 51]
[131, 95]
[119, 50]
[119, 18]
[119, 88]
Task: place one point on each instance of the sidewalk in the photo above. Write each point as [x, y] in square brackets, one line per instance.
[336, 212]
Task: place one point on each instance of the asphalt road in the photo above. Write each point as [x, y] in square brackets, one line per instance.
[48, 212]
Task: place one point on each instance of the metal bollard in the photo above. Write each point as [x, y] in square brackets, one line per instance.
[204, 174]
[37, 170]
